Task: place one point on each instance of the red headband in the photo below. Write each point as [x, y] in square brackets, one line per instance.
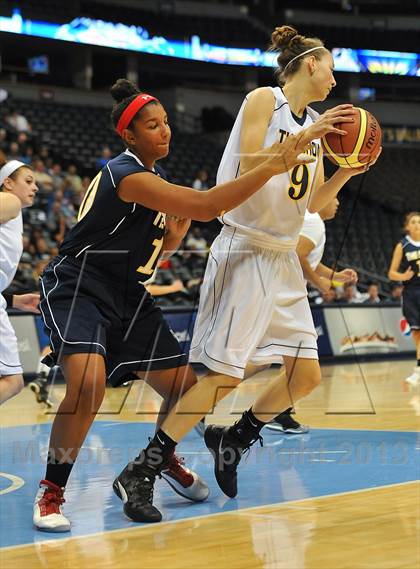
[133, 108]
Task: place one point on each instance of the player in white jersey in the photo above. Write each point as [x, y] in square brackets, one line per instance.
[310, 250]
[18, 189]
[253, 304]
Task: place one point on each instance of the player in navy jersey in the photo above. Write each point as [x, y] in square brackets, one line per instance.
[405, 267]
[102, 322]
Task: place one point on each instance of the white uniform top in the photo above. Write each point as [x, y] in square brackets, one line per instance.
[11, 247]
[274, 215]
[314, 230]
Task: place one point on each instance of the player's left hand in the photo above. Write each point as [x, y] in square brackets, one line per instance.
[26, 302]
[346, 276]
[177, 226]
[355, 171]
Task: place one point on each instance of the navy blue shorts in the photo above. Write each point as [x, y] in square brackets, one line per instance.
[85, 313]
[411, 306]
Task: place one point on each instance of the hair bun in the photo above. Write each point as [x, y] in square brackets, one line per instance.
[282, 37]
[122, 89]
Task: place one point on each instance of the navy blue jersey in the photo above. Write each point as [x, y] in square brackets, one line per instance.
[411, 257]
[121, 241]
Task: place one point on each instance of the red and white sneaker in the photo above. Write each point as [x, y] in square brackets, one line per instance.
[47, 508]
[184, 481]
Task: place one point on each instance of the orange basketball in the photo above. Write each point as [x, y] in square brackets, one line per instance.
[359, 146]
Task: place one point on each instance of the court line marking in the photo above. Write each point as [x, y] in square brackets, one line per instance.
[123, 422]
[153, 527]
[16, 483]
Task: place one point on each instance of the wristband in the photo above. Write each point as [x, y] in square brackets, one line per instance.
[9, 299]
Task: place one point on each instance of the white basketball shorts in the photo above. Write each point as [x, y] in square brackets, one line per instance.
[9, 355]
[253, 307]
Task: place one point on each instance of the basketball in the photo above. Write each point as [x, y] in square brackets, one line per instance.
[359, 146]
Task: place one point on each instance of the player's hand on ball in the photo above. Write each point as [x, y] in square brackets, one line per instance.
[325, 122]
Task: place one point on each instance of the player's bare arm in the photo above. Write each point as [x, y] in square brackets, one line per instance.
[155, 193]
[9, 207]
[394, 274]
[304, 248]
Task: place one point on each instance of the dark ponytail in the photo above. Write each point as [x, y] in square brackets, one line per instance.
[123, 92]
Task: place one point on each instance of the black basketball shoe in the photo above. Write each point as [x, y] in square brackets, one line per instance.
[285, 423]
[134, 486]
[227, 452]
[40, 387]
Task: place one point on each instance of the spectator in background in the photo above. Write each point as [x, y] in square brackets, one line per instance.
[3, 140]
[329, 296]
[27, 155]
[42, 249]
[350, 294]
[14, 151]
[44, 155]
[56, 223]
[196, 243]
[73, 180]
[57, 176]
[23, 141]
[42, 178]
[373, 292]
[396, 294]
[67, 207]
[85, 185]
[18, 122]
[106, 156]
[201, 181]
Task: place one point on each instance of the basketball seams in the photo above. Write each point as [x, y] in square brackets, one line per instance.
[352, 157]
[361, 138]
[336, 158]
[343, 154]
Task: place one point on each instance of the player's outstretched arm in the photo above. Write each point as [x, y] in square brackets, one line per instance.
[10, 207]
[153, 192]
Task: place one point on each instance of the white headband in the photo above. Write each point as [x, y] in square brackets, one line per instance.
[302, 54]
[8, 169]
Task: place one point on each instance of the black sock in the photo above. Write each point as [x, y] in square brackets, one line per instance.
[247, 428]
[158, 451]
[58, 472]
